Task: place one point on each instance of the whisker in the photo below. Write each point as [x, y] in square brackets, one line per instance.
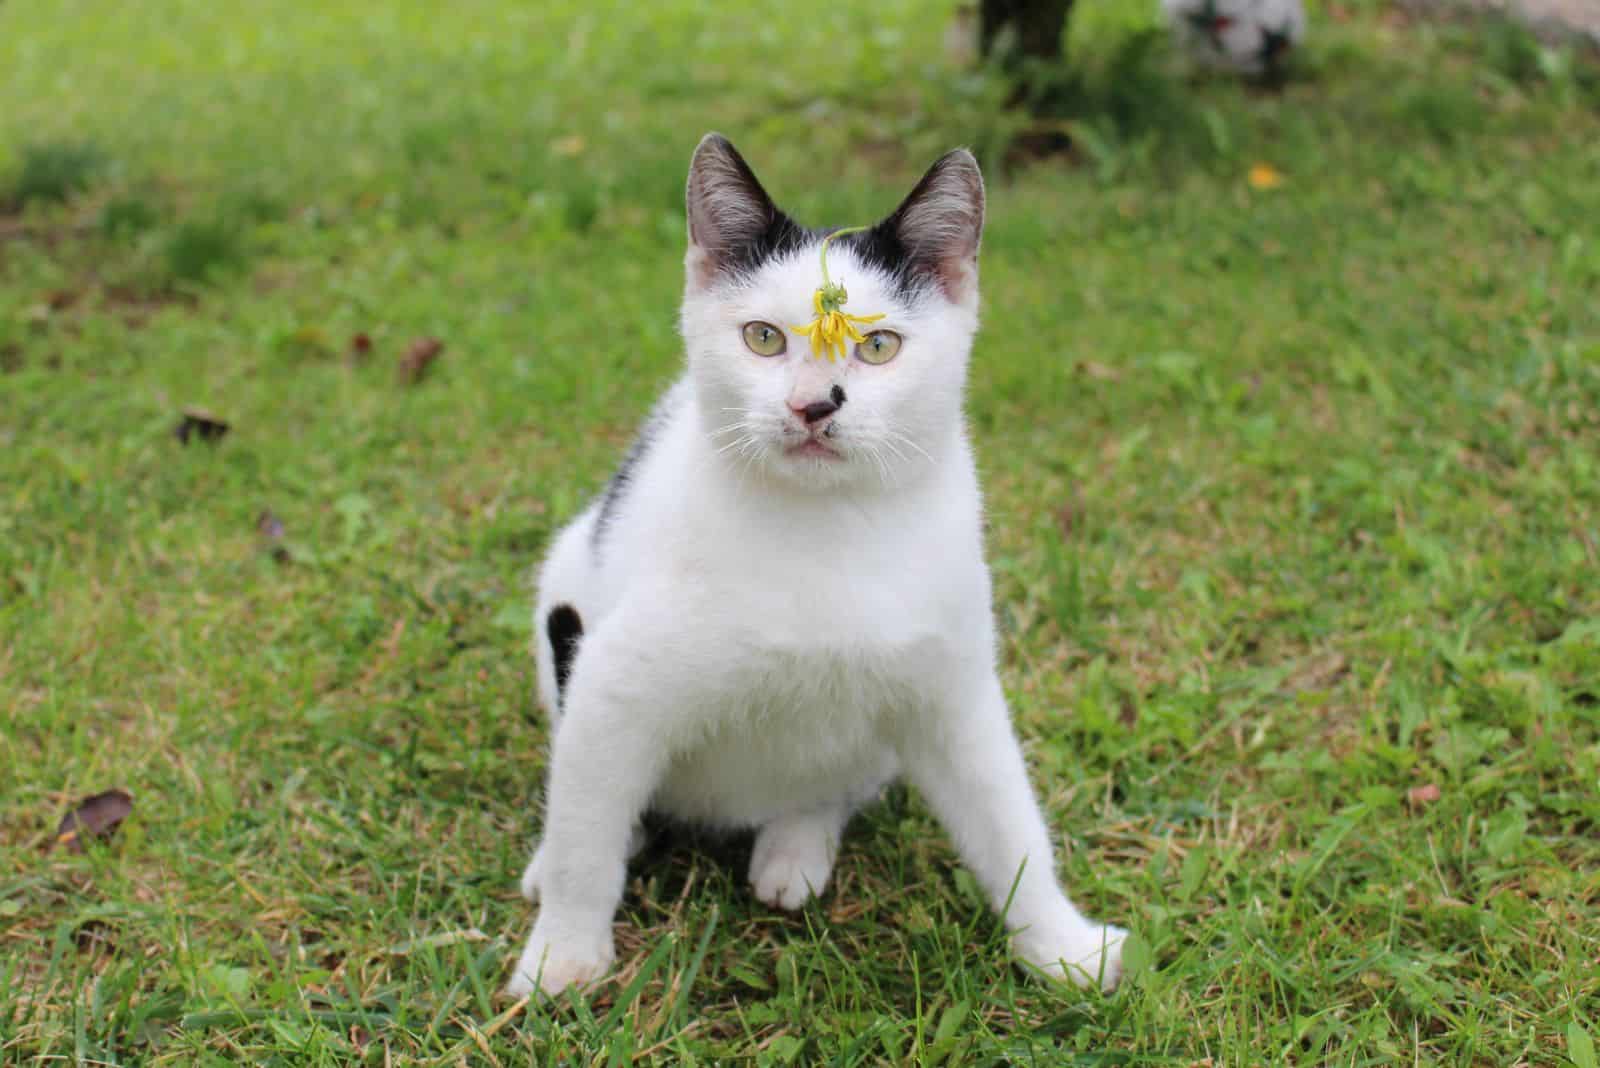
[733, 428]
[906, 440]
[876, 454]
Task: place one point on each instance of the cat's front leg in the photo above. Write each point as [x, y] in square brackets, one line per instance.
[529, 884]
[966, 761]
[607, 755]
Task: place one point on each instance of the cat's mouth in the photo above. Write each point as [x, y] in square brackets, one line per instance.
[814, 447]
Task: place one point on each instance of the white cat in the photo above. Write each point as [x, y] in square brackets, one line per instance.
[780, 603]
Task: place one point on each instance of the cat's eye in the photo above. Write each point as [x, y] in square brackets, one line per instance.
[880, 346]
[764, 339]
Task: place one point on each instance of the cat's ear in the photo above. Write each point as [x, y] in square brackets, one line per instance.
[731, 218]
[938, 226]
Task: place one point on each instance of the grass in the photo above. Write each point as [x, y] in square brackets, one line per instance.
[1294, 507]
[53, 171]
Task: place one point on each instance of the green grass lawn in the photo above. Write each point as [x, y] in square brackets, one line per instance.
[1294, 510]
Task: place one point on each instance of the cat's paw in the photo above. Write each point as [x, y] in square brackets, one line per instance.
[1084, 956]
[553, 963]
[791, 863]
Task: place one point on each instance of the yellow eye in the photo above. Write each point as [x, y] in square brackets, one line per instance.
[764, 339]
[880, 346]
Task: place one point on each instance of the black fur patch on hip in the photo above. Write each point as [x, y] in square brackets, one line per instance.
[564, 627]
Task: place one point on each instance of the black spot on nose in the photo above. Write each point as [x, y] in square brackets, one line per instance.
[838, 396]
[818, 410]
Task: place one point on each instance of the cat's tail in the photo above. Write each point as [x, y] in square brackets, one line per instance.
[559, 615]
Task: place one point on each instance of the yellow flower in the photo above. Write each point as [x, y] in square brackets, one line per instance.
[1265, 176]
[833, 326]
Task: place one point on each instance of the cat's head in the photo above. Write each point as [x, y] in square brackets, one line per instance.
[887, 410]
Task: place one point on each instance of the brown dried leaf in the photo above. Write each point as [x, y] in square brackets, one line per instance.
[417, 359]
[197, 422]
[360, 347]
[94, 817]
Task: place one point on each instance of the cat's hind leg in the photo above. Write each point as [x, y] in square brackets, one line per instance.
[794, 855]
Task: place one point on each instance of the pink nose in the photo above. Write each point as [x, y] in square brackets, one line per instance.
[816, 411]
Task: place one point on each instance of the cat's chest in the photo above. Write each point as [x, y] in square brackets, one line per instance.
[840, 607]
[793, 729]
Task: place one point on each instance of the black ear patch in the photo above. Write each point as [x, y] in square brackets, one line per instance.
[933, 236]
[734, 226]
[564, 628]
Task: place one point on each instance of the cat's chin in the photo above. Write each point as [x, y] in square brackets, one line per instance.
[814, 465]
[814, 450]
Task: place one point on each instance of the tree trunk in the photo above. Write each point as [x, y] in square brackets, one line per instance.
[1035, 29]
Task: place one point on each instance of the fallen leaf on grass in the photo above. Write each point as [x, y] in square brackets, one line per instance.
[419, 356]
[1423, 795]
[1265, 176]
[197, 422]
[94, 817]
[360, 347]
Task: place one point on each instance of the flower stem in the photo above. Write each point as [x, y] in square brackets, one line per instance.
[827, 283]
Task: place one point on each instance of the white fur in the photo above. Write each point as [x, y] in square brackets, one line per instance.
[770, 639]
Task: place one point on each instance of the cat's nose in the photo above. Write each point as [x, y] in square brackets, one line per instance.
[816, 411]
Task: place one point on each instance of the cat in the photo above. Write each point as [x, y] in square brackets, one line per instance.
[780, 604]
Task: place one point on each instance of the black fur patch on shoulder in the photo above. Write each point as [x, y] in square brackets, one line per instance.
[564, 628]
[622, 479]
